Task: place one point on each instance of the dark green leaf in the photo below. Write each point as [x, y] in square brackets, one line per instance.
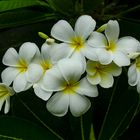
[22, 17]
[13, 128]
[122, 108]
[6, 5]
[64, 7]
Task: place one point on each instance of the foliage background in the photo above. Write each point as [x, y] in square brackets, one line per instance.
[115, 113]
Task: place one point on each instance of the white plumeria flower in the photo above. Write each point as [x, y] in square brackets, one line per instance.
[134, 74]
[64, 79]
[45, 62]
[5, 93]
[109, 48]
[48, 58]
[75, 41]
[18, 66]
[102, 74]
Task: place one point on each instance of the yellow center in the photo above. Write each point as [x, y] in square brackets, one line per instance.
[4, 92]
[138, 63]
[70, 89]
[22, 65]
[46, 65]
[77, 43]
[111, 47]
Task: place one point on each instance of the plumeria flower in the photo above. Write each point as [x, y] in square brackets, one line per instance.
[45, 62]
[48, 58]
[109, 48]
[102, 74]
[134, 74]
[17, 72]
[75, 41]
[70, 91]
[5, 93]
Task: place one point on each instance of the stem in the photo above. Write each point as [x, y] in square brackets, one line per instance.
[82, 129]
[113, 92]
[40, 120]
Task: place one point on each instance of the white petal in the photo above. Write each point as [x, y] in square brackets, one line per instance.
[90, 53]
[79, 104]
[121, 59]
[27, 51]
[112, 31]
[91, 67]
[20, 82]
[7, 105]
[127, 44]
[94, 79]
[82, 28]
[113, 69]
[82, 61]
[53, 80]
[62, 31]
[85, 88]
[104, 56]
[9, 74]
[1, 102]
[34, 73]
[70, 69]
[133, 76]
[41, 93]
[11, 57]
[45, 51]
[138, 86]
[59, 54]
[58, 104]
[97, 40]
[106, 80]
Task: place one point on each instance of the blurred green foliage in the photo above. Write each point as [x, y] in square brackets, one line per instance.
[114, 113]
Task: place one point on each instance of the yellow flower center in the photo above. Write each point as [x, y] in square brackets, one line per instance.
[22, 65]
[4, 92]
[70, 88]
[111, 47]
[138, 63]
[46, 65]
[77, 43]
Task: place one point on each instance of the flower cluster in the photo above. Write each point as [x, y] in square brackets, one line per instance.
[66, 70]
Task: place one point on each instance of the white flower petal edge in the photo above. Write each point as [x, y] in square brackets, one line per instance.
[82, 28]
[85, 88]
[133, 76]
[70, 69]
[5, 93]
[20, 83]
[8, 75]
[28, 51]
[34, 73]
[62, 31]
[128, 44]
[11, 57]
[41, 93]
[53, 80]
[97, 40]
[58, 104]
[112, 31]
[79, 104]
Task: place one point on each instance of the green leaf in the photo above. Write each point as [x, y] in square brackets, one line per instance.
[13, 128]
[6, 5]
[65, 7]
[23, 17]
[122, 107]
